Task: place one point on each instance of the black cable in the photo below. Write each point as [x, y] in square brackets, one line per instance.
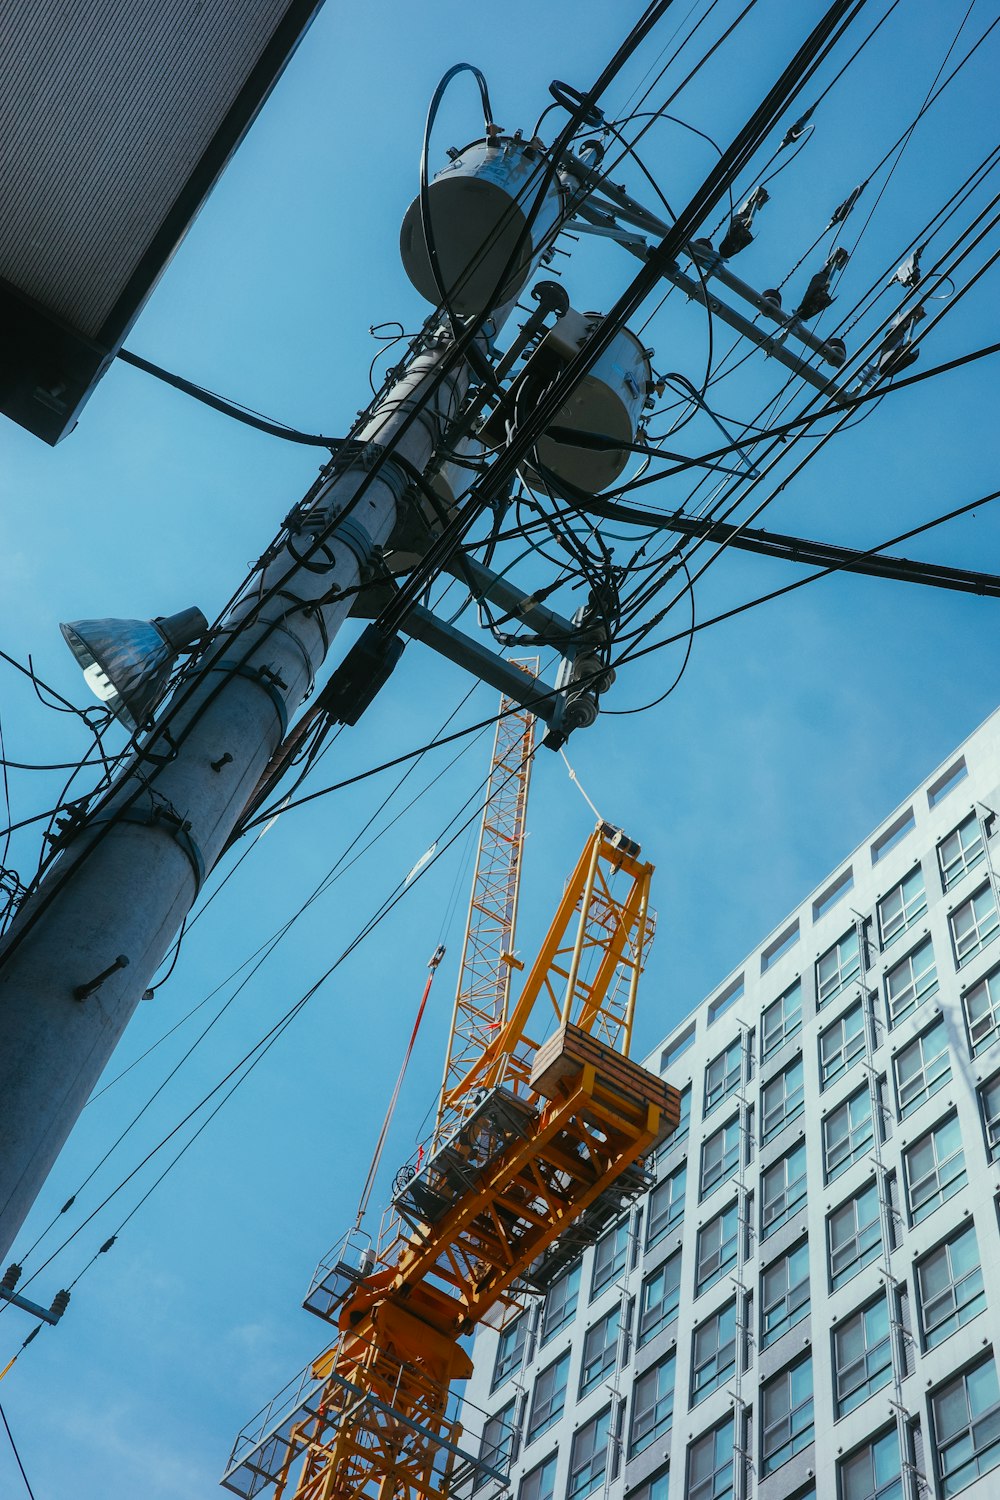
[226, 407]
[20, 1465]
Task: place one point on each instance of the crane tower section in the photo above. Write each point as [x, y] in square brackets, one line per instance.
[549, 1127]
[483, 992]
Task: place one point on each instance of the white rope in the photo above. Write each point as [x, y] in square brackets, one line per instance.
[576, 781]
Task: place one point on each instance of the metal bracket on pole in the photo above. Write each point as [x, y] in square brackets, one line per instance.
[530, 692]
[171, 822]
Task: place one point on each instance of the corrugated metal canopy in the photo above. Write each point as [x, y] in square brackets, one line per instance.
[116, 117]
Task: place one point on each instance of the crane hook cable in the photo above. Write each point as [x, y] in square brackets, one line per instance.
[366, 1191]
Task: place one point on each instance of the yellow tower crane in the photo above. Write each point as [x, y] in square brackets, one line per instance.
[532, 1137]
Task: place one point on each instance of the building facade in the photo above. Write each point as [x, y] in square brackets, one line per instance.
[806, 1305]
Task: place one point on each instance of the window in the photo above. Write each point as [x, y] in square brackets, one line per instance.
[659, 1298]
[560, 1302]
[841, 1045]
[666, 1206]
[847, 1132]
[610, 1256]
[921, 1068]
[684, 1122]
[510, 1349]
[854, 1235]
[782, 1020]
[892, 835]
[961, 851]
[652, 1405]
[783, 1187]
[966, 1414]
[784, 1294]
[949, 1287]
[718, 1241]
[837, 967]
[728, 997]
[588, 1457]
[720, 1155]
[990, 1104]
[540, 1482]
[600, 1350]
[724, 1075]
[862, 1356]
[903, 905]
[935, 1169]
[781, 1100]
[947, 782]
[710, 1464]
[657, 1488]
[910, 982]
[973, 925]
[713, 1352]
[782, 943]
[982, 1012]
[549, 1396]
[834, 892]
[786, 1416]
[496, 1445]
[673, 1050]
[874, 1472]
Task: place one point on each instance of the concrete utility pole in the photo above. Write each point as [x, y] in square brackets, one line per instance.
[124, 883]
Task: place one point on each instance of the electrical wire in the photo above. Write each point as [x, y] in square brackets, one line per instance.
[17, 1456]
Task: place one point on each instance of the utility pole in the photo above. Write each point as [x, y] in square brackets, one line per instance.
[85, 946]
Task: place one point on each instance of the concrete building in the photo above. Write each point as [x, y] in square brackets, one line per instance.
[807, 1302]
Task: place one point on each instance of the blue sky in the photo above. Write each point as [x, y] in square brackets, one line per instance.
[796, 728]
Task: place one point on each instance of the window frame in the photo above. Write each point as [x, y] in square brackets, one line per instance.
[978, 1044]
[523, 1493]
[912, 906]
[571, 1279]
[619, 1236]
[587, 1486]
[660, 1410]
[829, 1069]
[861, 1236]
[504, 1417]
[703, 1282]
[930, 1074]
[728, 1164]
[657, 1226]
[768, 1226]
[844, 974]
[519, 1327]
[669, 1309]
[953, 1184]
[954, 870]
[943, 1442]
[963, 1305]
[990, 1121]
[791, 1020]
[536, 1424]
[922, 986]
[984, 933]
[789, 1110]
[877, 1374]
[799, 1437]
[732, 1076]
[722, 1439]
[702, 1385]
[796, 1307]
[857, 1144]
[608, 1346]
[885, 1488]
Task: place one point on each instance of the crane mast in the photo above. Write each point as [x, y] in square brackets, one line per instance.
[483, 991]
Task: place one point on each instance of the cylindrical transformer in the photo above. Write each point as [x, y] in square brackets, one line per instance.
[491, 213]
[608, 402]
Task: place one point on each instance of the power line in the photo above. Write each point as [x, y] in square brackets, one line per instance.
[20, 1465]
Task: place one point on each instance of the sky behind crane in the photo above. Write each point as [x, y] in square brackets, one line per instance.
[796, 727]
